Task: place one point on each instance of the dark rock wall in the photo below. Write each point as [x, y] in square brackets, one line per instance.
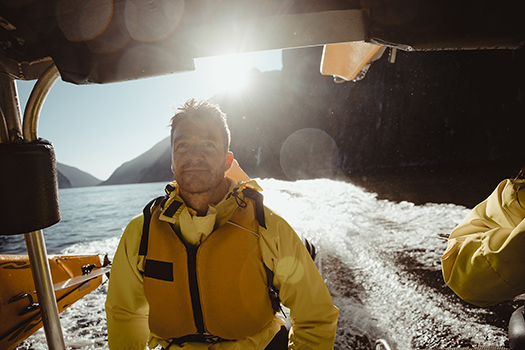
[448, 108]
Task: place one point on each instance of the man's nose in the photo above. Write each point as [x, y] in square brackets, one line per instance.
[195, 152]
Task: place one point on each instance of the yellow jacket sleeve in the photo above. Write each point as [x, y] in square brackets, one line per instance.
[302, 289]
[484, 262]
[126, 305]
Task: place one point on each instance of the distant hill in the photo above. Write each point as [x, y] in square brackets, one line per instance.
[151, 166]
[63, 181]
[75, 177]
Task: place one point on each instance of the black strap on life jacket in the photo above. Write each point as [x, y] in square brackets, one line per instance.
[273, 292]
[258, 198]
[170, 211]
[143, 248]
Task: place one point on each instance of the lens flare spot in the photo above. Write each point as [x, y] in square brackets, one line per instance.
[150, 20]
[308, 154]
[290, 266]
[82, 20]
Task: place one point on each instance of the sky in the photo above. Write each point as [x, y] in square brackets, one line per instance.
[96, 128]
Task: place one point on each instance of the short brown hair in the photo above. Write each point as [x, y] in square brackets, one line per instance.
[202, 110]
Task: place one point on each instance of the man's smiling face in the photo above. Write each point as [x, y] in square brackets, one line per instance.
[199, 157]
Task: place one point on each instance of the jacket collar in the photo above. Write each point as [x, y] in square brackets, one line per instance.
[174, 205]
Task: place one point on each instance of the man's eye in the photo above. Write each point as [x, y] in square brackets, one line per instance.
[209, 144]
[182, 145]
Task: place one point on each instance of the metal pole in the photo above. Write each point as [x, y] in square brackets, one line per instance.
[11, 107]
[35, 242]
[4, 134]
[36, 249]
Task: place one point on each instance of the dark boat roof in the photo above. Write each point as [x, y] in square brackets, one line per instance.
[107, 41]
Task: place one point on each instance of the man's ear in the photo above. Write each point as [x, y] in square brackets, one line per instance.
[229, 161]
[172, 167]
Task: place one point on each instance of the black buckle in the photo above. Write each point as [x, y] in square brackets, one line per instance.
[198, 338]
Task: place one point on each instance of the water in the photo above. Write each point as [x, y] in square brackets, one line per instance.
[380, 260]
[90, 215]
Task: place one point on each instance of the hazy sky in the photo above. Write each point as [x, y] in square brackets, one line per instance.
[96, 128]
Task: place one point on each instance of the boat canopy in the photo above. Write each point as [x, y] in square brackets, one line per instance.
[106, 41]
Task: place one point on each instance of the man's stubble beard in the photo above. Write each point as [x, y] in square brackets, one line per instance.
[199, 184]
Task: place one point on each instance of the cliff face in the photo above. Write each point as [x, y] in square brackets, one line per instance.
[441, 109]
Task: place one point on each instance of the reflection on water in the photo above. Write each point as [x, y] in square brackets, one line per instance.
[380, 260]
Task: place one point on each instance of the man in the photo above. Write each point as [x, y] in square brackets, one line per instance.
[205, 266]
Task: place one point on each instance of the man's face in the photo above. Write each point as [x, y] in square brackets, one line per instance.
[199, 159]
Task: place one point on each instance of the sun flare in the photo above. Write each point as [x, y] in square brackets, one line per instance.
[228, 73]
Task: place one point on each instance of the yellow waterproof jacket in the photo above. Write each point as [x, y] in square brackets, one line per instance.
[484, 262]
[302, 289]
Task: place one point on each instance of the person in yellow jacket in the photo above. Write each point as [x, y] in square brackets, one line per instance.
[484, 262]
[214, 259]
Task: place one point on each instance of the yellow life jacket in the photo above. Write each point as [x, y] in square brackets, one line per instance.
[220, 288]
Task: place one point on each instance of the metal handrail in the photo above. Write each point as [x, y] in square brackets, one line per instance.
[36, 100]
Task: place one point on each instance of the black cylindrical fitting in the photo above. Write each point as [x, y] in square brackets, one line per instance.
[28, 187]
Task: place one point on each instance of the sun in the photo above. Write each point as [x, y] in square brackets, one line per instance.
[227, 73]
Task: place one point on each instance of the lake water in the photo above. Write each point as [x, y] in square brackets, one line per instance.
[380, 261]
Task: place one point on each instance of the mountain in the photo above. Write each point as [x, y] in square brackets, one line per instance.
[151, 166]
[63, 181]
[69, 176]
